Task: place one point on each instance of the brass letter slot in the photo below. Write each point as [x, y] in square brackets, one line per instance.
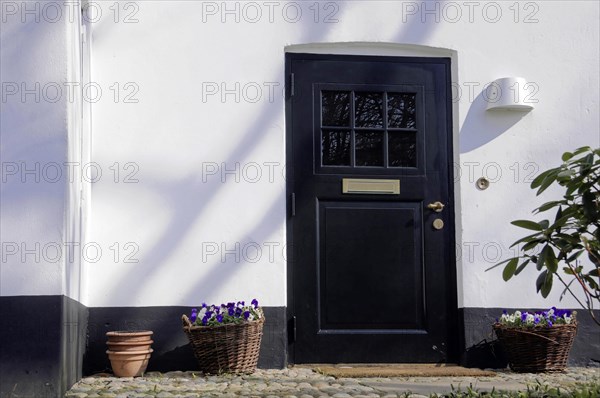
[368, 186]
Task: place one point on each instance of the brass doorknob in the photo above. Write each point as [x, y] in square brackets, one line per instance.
[436, 206]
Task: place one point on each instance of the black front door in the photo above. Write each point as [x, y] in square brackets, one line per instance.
[371, 272]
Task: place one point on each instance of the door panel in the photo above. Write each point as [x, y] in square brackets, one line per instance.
[370, 247]
[371, 280]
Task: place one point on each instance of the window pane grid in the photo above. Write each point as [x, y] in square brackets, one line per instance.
[368, 129]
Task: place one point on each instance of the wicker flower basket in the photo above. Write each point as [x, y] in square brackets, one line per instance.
[229, 348]
[540, 349]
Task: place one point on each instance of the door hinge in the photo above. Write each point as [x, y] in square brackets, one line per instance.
[292, 85]
[293, 205]
[293, 334]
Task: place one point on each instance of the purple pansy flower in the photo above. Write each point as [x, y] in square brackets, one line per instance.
[549, 318]
[225, 313]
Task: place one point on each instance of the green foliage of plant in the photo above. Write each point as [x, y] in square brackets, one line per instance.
[591, 390]
[580, 390]
[573, 231]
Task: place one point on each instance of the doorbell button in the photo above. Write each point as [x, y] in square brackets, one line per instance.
[483, 183]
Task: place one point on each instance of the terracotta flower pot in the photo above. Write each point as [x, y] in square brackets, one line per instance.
[129, 351]
[129, 363]
[129, 345]
[129, 336]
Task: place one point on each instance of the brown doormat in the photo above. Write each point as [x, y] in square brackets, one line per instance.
[397, 370]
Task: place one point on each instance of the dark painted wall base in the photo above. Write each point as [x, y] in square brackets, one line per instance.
[481, 348]
[171, 348]
[41, 345]
[49, 342]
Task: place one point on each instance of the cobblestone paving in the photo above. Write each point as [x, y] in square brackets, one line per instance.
[304, 383]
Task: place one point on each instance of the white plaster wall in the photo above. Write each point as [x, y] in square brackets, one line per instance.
[178, 215]
[34, 124]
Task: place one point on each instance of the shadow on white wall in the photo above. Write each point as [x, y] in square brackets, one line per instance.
[481, 126]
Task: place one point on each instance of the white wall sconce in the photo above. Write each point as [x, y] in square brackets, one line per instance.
[510, 94]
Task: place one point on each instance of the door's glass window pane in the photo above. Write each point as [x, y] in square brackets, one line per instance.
[336, 148]
[402, 149]
[336, 108]
[369, 148]
[401, 110]
[368, 109]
